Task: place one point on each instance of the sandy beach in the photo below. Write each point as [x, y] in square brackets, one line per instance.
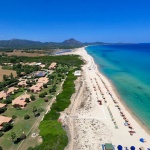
[97, 116]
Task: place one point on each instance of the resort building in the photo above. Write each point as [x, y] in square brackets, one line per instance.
[77, 73]
[42, 65]
[3, 120]
[40, 74]
[52, 66]
[22, 83]
[2, 105]
[20, 101]
[36, 88]
[5, 94]
[43, 80]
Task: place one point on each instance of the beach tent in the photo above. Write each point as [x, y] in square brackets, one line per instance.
[108, 146]
[132, 148]
[119, 147]
[142, 140]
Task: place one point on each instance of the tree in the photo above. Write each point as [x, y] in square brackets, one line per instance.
[1, 148]
[34, 110]
[32, 97]
[23, 136]
[45, 85]
[26, 117]
[3, 109]
[7, 126]
[14, 117]
[27, 100]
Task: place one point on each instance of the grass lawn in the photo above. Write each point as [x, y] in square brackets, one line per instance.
[20, 125]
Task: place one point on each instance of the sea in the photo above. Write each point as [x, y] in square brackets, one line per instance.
[127, 66]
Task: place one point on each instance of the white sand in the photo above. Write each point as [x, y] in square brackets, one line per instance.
[89, 124]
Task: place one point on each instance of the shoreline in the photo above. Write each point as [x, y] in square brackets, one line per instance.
[134, 116]
[107, 116]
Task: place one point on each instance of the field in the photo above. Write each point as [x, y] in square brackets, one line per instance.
[21, 53]
[6, 72]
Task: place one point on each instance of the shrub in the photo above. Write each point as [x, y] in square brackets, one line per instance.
[3, 109]
[32, 97]
[7, 126]
[27, 100]
[14, 116]
[1, 133]
[45, 85]
[22, 137]
[26, 117]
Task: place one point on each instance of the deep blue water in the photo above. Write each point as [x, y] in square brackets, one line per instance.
[128, 67]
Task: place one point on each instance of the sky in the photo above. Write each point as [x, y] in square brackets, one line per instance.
[84, 20]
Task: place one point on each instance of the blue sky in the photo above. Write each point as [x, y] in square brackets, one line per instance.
[84, 20]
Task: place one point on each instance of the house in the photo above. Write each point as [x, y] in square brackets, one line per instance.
[5, 94]
[20, 101]
[36, 88]
[77, 73]
[42, 65]
[22, 83]
[2, 105]
[3, 120]
[40, 74]
[43, 80]
[52, 66]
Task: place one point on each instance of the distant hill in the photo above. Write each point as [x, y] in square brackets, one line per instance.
[28, 44]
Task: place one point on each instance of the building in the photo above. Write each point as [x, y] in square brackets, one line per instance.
[36, 88]
[40, 74]
[77, 73]
[52, 66]
[2, 105]
[20, 101]
[43, 80]
[5, 94]
[3, 120]
[42, 65]
[22, 83]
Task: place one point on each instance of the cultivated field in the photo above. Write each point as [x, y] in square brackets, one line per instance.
[6, 72]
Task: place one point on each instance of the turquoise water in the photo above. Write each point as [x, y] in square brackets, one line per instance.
[128, 67]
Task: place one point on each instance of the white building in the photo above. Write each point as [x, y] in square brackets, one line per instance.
[77, 73]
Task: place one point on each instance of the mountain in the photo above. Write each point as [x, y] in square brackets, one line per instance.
[72, 42]
[28, 44]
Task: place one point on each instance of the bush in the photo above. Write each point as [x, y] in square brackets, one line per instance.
[45, 85]
[22, 137]
[26, 117]
[7, 126]
[1, 133]
[32, 97]
[14, 116]
[27, 100]
[3, 109]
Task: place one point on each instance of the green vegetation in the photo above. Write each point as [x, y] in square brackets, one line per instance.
[54, 136]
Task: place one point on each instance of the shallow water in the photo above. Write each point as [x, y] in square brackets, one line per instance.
[128, 67]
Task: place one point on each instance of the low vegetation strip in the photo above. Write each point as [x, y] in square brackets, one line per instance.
[54, 136]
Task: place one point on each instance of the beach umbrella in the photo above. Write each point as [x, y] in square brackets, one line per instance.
[142, 140]
[125, 123]
[119, 147]
[132, 148]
